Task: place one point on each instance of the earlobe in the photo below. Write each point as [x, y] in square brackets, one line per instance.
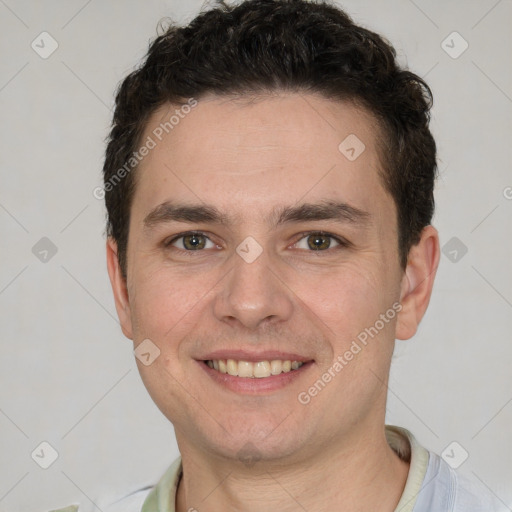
[119, 288]
[417, 282]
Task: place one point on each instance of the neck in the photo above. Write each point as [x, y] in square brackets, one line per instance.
[362, 474]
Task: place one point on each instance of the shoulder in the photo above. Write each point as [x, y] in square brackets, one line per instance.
[472, 495]
[147, 499]
[130, 503]
[447, 490]
[433, 485]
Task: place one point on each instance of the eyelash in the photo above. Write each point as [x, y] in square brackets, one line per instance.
[341, 241]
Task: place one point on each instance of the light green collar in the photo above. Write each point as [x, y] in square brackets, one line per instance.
[162, 498]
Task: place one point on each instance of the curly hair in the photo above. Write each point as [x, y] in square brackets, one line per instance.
[266, 46]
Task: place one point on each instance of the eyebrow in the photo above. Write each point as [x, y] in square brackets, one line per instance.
[200, 213]
[325, 210]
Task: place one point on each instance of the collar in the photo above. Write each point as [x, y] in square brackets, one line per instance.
[162, 497]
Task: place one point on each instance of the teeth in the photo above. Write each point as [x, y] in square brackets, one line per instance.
[245, 369]
[256, 370]
[261, 369]
[232, 367]
[222, 366]
[276, 367]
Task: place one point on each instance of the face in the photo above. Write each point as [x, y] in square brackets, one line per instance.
[255, 237]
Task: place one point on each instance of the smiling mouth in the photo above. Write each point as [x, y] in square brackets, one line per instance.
[253, 370]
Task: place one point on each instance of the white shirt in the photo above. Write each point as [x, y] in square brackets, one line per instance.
[431, 486]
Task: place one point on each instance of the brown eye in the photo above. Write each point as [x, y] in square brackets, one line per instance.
[319, 242]
[191, 242]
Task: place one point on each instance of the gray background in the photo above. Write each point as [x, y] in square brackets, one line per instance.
[68, 375]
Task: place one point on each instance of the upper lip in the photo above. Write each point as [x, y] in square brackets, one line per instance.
[252, 356]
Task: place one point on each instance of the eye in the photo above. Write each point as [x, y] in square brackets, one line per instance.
[318, 241]
[191, 242]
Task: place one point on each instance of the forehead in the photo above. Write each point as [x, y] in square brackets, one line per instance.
[249, 154]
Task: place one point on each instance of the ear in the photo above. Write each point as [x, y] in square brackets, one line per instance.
[417, 282]
[119, 288]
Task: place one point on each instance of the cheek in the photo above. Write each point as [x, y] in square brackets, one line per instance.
[350, 303]
[344, 293]
[167, 303]
[166, 308]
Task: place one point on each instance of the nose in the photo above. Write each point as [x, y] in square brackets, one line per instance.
[254, 293]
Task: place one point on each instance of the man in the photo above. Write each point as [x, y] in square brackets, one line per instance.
[269, 187]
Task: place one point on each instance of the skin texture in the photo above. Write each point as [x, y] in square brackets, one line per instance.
[248, 158]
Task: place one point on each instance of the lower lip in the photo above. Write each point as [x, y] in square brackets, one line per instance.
[255, 386]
